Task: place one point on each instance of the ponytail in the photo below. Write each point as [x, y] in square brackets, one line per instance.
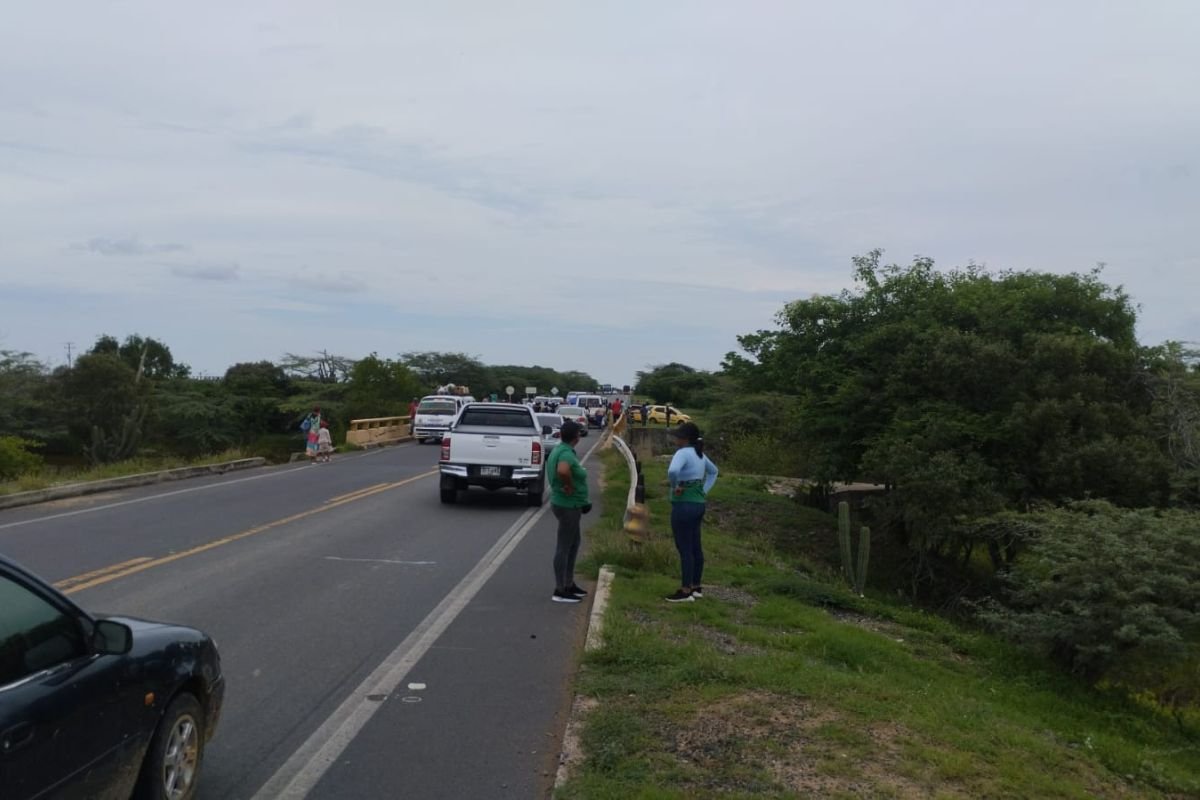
[698, 446]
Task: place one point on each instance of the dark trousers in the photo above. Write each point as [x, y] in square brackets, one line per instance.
[686, 519]
[567, 548]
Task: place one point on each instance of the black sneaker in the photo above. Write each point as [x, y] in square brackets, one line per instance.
[681, 596]
[698, 593]
[575, 590]
[564, 597]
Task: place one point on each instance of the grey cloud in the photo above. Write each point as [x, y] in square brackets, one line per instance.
[128, 247]
[377, 151]
[338, 283]
[208, 272]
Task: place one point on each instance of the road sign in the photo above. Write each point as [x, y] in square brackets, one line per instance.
[554, 391]
[530, 390]
[510, 391]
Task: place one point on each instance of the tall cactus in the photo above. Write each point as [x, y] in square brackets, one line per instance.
[855, 576]
[864, 557]
[844, 541]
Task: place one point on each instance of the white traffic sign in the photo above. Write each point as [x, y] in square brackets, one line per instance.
[510, 391]
[554, 391]
[530, 390]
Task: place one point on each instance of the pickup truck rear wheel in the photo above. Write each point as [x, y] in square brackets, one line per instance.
[449, 496]
[537, 494]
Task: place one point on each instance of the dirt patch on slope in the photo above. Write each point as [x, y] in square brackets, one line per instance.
[800, 747]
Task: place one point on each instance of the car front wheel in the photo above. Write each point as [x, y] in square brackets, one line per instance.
[172, 763]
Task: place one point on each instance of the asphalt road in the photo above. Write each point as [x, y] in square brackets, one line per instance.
[375, 642]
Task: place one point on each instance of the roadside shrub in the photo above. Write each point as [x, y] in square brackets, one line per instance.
[1101, 588]
[15, 458]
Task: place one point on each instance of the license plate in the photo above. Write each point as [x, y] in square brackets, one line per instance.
[491, 472]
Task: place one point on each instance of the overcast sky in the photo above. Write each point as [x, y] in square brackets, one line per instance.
[592, 185]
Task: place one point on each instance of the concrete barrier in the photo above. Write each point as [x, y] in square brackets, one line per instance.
[378, 430]
[124, 482]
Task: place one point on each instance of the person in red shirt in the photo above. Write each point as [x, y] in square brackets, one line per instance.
[412, 416]
[616, 409]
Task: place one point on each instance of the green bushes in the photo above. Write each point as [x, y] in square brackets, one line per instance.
[1100, 589]
[15, 458]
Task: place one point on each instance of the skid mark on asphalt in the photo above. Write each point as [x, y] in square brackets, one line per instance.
[117, 571]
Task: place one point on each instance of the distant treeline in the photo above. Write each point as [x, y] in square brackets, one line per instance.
[131, 397]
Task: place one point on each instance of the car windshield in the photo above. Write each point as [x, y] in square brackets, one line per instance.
[493, 417]
[437, 408]
[549, 419]
[570, 411]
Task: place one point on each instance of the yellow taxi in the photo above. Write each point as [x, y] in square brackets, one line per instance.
[658, 415]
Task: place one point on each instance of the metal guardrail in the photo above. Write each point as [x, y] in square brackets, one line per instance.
[378, 430]
[637, 516]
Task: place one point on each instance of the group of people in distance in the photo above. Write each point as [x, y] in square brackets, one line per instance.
[691, 477]
[318, 442]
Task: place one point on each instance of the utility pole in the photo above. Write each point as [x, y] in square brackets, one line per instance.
[70, 348]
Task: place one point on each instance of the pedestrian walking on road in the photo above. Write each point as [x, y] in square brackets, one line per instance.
[312, 428]
[324, 443]
[691, 476]
[569, 502]
[412, 417]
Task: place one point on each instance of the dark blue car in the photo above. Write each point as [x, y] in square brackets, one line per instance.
[99, 707]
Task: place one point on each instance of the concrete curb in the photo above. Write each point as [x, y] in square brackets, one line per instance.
[124, 482]
[570, 754]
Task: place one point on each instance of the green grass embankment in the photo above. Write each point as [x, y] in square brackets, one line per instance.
[781, 684]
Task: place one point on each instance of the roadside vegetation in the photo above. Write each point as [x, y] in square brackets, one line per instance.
[1036, 469]
[1029, 475]
[783, 683]
[128, 406]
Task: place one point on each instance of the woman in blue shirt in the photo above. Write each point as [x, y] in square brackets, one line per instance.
[691, 476]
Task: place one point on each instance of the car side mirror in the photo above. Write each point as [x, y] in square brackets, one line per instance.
[112, 638]
[547, 430]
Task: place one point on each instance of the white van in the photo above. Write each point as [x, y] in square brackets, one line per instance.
[435, 412]
[595, 406]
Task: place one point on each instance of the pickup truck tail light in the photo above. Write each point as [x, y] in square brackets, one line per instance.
[535, 458]
[445, 448]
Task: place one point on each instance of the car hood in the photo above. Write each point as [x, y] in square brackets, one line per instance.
[136, 623]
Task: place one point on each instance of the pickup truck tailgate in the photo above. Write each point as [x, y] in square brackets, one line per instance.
[483, 447]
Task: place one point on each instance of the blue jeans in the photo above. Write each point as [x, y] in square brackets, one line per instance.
[686, 519]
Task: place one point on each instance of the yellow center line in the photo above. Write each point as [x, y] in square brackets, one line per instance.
[124, 570]
[96, 573]
[356, 493]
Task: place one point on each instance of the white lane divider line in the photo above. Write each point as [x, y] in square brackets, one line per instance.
[381, 561]
[300, 774]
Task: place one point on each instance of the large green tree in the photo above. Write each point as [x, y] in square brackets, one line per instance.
[967, 391]
[381, 387]
[436, 369]
[142, 353]
[674, 383]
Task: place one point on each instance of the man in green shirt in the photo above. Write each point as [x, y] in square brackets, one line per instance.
[569, 502]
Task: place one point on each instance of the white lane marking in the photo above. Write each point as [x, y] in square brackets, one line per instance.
[380, 561]
[305, 768]
[148, 498]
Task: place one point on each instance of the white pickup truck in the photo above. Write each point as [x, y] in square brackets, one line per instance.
[496, 446]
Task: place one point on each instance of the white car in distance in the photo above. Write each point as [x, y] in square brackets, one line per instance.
[575, 414]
